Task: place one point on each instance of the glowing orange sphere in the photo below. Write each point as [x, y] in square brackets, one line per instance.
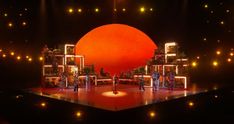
[115, 48]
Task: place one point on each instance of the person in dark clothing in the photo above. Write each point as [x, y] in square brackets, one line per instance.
[141, 83]
[171, 78]
[76, 82]
[115, 82]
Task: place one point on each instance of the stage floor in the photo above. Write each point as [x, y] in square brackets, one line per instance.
[128, 96]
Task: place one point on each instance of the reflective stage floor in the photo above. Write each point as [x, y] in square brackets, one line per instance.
[128, 96]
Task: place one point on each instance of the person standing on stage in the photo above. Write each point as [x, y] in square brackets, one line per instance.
[76, 82]
[62, 80]
[87, 81]
[141, 83]
[115, 82]
[155, 77]
[171, 78]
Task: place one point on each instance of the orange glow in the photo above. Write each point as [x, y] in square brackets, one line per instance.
[111, 94]
[10, 24]
[0, 50]
[18, 57]
[194, 64]
[12, 53]
[152, 114]
[40, 58]
[191, 104]
[4, 55]
[116, 48]
[231, 54]
[218, 52]
[79, 10]
[142, 9]
[43, 104]
[215, 63]
[70, 10]
[78, 114]
[29, 59]
[229, 59]
[96, 10]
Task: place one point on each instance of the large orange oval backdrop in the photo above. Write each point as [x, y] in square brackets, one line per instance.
[116, 48]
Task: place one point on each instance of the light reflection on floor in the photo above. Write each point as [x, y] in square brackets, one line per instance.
[113, 94]
[128, 96]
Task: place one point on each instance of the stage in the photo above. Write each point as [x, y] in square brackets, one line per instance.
[128, 96]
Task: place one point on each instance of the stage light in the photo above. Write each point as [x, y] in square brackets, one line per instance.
[24, 23]
[151, 9]
[111, 94]
[123, 9]
[216, 96]
[215, 87]
[26, 57]
[79, 10]
[222, 22]
[142, 9]
[96, 10]
[18, 57]
[115, 9]
[29, 59]
[198, 57]
[4, 55]
[12, 53]
[215, 63]
[70, 10]
[40, 58]
[194, 64]
[204, 39]
[231, 54]
[206, 6]
[26, 9]
[78, 114]
[0, 50]
[5, 14]
[229, 59]
[218, 52]
[191, 104]
[43, 104]
[18, 96]
[152, 114]
[10, 24]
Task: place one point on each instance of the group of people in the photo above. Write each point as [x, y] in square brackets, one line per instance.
[76, 82]
[156, 79]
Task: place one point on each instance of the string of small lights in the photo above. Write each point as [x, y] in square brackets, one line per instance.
[215, 62]
[19, 57]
